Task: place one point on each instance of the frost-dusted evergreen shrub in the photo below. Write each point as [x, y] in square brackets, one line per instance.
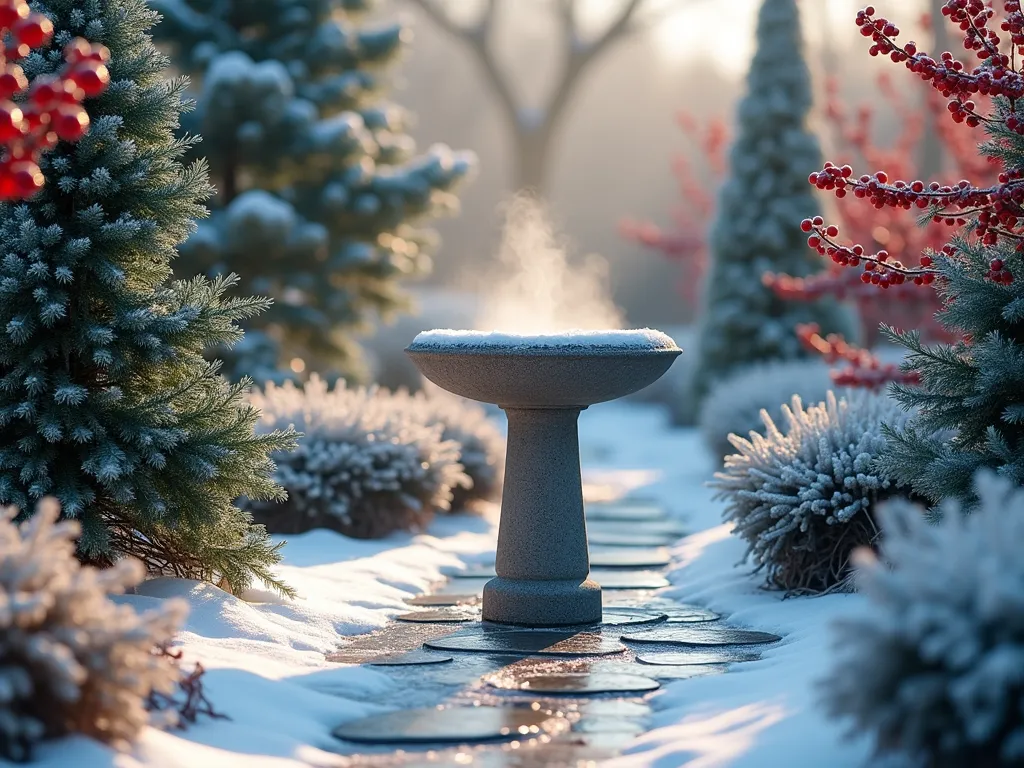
[803, 497]
[734, 405]
[480, 443]
[314, 167]
[366, 465]
[106, 401]
[759, 210]
[933, 668]
[71, 660]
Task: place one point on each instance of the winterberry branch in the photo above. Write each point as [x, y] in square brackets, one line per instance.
[48, 109]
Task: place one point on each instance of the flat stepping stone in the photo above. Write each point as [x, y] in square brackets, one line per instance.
[667, 527]
[579, 683]
[456, 725]
[694, 658]
[689, 614]
[528, 642]
[470, 586]
[442, 615]
[630, 558]
[622, 579]
[625, 511]
[617, 617]
[475, 572]
[620, 539]
[443, 600]
[376, 659]
[696, 636]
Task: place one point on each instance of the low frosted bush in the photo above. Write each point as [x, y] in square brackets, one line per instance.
[933, 668]
[803, 498]
[366, 464]
[733, 405]
[71, 660]
[481, 444]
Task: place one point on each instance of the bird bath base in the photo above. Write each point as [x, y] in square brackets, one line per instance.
[543, 383]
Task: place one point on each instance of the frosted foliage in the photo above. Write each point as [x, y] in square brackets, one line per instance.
[71, 660]
[734, 405]
[367, 464]
[481, 444]
[536, 289]
[802, 497]
[933, 668]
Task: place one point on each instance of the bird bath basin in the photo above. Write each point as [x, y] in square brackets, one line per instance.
[542, 383]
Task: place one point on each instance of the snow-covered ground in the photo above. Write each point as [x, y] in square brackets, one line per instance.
[266, 656]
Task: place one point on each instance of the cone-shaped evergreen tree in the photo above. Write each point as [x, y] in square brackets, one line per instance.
[318, 185]
[106, 401]
[760, 207]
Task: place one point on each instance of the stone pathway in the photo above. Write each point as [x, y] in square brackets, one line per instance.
[480, 694]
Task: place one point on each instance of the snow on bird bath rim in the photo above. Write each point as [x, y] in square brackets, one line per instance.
[647, 339]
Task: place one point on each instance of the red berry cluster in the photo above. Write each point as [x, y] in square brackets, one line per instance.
[878, 268]
[52, 110]
[864, 370]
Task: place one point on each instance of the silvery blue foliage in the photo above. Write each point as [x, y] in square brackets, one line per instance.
[71, 660]
[733, 406]
[933, 668]
[481, 443]
[367, 463]
[802, 498]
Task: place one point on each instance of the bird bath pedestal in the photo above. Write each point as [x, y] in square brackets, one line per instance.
[542, 383]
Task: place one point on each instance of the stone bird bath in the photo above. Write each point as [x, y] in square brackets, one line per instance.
[542, 383]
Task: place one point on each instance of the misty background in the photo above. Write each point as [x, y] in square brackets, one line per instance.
[612, 152]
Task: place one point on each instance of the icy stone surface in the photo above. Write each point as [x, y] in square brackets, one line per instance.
[442, 615]
[453, 725]
[629, 558]
[446, 338]
[618, 579]
[687, 658]
[443, 600]
[615, 538]
[701, 636]
[375, 658]
[621, 616]
[625, 511]
[529, 642]
[582, 683]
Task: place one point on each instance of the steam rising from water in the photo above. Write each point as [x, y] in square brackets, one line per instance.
[535, 289]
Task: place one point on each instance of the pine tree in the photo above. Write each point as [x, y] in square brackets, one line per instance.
[318, 186]
[106, 401]
[757, 226]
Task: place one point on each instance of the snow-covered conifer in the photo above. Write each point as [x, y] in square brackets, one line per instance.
[933, 668]
[106, 401]
[315, 169]
[734, 405]
[759, 210]
[803, 498]
[72, 660]
[366, 465]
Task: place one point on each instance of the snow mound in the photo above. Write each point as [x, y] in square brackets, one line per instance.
[640, 338]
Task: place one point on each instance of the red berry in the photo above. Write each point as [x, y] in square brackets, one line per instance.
[12, 124]
[44, 91]
[12, 11]
[832, 230]
[70, 123]
[926, 261]
[817, 221]
[996, 264]
[33, 31]
[806, 225]
[92, 77]
[28, 179]
[12, 81]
